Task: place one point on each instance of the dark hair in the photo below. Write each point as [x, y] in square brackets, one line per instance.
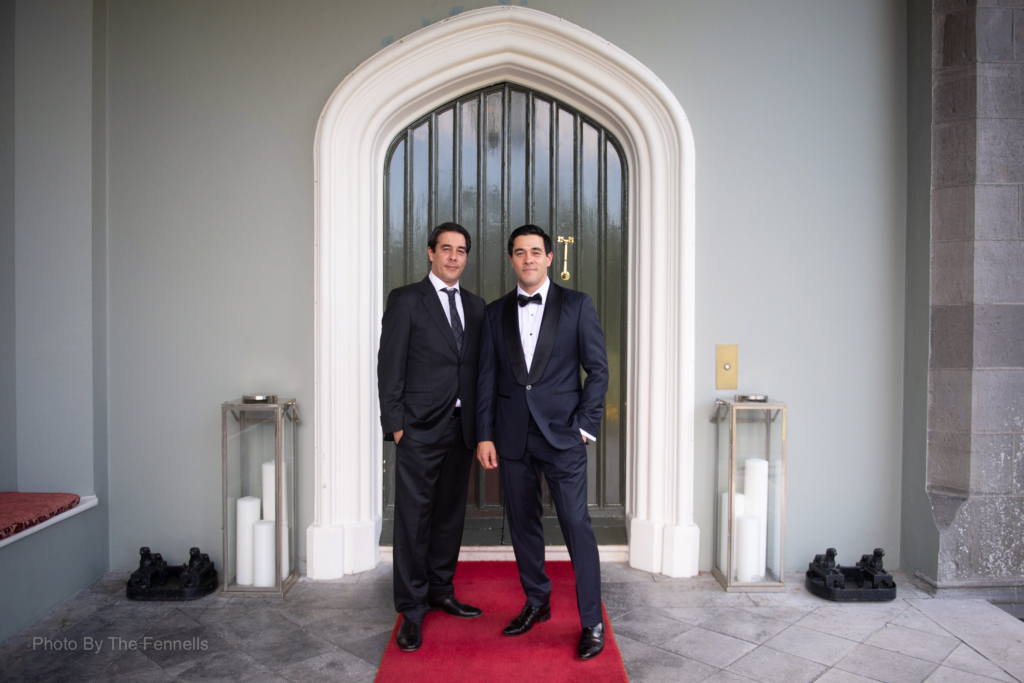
[529, 230]
[447, 227]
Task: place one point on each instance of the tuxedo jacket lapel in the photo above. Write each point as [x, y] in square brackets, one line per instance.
[513, 342]
[436, 312]
[548, 332]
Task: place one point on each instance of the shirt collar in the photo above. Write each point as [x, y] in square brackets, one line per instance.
[439, 283]
[542, 290]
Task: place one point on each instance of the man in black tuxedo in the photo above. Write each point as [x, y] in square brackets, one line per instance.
[426, 381]
[533, 412]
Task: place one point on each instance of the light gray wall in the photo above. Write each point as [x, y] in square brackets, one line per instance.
[919, 540]
[8, 415]
[798, 111]
[60, 224]
[53, 219]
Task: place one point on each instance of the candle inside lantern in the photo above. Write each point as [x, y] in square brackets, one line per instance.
[755, 486]
[269, 490]
[723, 529]
[747, 551]
[263, 554]
[248, 513]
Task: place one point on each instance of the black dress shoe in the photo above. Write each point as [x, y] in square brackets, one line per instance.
[452, 606]
[591, 641]
[409, 637]
[527, 618]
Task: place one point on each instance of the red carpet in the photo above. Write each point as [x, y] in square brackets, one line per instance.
[475, 650]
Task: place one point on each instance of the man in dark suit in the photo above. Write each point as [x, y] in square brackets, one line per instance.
[426, 381]
[534, 413]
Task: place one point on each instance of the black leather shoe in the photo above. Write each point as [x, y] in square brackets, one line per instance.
[452, 606]
[527, 618]
[409, 637]
[591, 641]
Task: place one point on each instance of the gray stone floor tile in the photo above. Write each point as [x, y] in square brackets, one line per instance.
[226, 667]
[844, 625]
[882, 611]
[787, 613]
[771, 666]
[926, 646]
[251, 625]
[630, 649]
[336, 666]
[987, 629]
[157, 676]
[708, 647]
[370, 649]
[966, 659]
[728, 677]
[694, 616]
[885, 666]
[913, 618]
[47, 666]
[945, 674]
[349, 629]
[745, 626]
[659, 666]
[180, 648]
[301, 615]
[813, 645]
[621, 572]
[840, 676]
[171, 623]
[648, 626]
[278, 649]
[130, 664]
[382, 573]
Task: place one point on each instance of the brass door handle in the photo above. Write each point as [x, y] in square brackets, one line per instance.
[565, 255]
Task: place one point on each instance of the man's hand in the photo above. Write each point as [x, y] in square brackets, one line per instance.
[486, 454]
[584, 439]
[398, 435]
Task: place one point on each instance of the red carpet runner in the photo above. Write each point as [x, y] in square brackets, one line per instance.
[475, 650]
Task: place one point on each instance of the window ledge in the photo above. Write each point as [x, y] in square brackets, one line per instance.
[84, 504]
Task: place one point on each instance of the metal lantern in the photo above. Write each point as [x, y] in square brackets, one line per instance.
[258, 440]
[750, 500]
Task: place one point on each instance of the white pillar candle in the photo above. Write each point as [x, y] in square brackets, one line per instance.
[248, 513]
[755, 487]
[747, 551]
[269, 490]
[723, 530]
[263, 554]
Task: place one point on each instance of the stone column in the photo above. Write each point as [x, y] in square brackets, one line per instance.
[975, 474]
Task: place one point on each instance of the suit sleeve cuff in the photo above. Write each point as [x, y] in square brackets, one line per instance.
[591, 438]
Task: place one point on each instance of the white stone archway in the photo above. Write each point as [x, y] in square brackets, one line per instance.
[376, 101]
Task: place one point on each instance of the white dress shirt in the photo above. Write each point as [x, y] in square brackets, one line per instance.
[530, 317]
[440, 286]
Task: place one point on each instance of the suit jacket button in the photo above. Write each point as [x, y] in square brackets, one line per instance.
[529, 386]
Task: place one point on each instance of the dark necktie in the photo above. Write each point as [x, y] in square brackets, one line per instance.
[456, 320]
[526, 300]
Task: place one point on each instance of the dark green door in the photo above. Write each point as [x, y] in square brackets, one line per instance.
[493, 160]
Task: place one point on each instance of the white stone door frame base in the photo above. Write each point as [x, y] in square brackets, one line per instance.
[372, 105]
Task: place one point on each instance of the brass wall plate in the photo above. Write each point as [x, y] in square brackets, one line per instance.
[726, 366]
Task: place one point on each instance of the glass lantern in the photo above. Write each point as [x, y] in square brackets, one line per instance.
[750, 494]
[258, 441]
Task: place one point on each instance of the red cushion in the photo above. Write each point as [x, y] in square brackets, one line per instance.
[19, 511]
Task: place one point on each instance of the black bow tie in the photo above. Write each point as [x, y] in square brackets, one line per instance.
[525, 300]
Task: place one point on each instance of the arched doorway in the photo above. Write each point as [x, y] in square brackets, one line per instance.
[364, 114]
[492, 160]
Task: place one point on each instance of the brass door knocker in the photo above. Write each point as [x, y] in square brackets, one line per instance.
[565, 255]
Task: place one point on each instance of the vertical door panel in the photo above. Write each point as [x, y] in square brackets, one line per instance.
[492, 160]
